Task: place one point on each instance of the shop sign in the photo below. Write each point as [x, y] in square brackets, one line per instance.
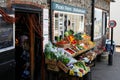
[67, 8]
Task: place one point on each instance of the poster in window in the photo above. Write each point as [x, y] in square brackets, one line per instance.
[6, 34]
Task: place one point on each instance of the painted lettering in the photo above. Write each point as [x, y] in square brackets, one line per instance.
[58, 6]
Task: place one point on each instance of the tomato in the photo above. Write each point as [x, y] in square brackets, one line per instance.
[70, 51]
[74, 42]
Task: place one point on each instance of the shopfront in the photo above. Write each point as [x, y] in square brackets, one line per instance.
[70, 43]
[29, 42]
[66, 17]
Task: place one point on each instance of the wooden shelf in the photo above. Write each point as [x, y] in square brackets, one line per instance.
[84, 50]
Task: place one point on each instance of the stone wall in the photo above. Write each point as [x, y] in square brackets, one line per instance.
[3, 3]
[86, 4]
[7, 3]
[103, 4]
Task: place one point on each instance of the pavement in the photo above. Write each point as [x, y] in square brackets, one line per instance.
[103, 71]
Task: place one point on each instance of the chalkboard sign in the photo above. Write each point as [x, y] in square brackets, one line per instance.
[6, 34]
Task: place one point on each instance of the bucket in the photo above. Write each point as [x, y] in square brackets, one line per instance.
[104, 56]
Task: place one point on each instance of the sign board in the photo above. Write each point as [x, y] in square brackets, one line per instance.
[112, 23]
[67, 8]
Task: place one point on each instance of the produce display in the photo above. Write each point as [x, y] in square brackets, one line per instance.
[78, 69]
[70, 51]
[67, 49]
[59, 54]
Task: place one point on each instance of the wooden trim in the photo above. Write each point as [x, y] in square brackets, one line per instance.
[32, 52]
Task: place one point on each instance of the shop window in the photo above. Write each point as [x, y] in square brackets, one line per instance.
[104, 23]
[6, 35]
[64, 21]
[98, 23]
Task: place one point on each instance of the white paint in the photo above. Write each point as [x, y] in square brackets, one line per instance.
[115, 15]
[45, 27]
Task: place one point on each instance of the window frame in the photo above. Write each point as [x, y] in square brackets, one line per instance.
[98, 24]
[72, 22]
[13, 45]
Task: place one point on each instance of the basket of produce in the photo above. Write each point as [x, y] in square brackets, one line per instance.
[78, 69]
[63, 44]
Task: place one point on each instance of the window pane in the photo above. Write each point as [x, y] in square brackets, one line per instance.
[98, 23]
[64, 21]
[6, 34]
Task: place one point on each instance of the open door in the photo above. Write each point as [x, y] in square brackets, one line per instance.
[29, 47]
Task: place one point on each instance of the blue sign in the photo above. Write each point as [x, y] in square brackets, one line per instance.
[67, 8]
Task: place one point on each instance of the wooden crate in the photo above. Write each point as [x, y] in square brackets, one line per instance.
[50, 61]
[52, 65]
[63, 45]
[63, 67]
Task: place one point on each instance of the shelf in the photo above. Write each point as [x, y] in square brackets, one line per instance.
[82, 51]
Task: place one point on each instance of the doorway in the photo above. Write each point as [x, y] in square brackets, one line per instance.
[28, 48]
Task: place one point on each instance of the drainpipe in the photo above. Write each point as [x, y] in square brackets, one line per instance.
[92, 20]
[50, 19]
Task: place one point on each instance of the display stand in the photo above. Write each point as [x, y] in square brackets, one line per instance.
[54, 72]
[71, 57]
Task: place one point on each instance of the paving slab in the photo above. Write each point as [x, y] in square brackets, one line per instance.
[103, 71]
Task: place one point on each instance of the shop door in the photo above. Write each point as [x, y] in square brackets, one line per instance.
[29, 45]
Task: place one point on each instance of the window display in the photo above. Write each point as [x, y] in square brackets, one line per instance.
[64, 21]
[73, 54]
